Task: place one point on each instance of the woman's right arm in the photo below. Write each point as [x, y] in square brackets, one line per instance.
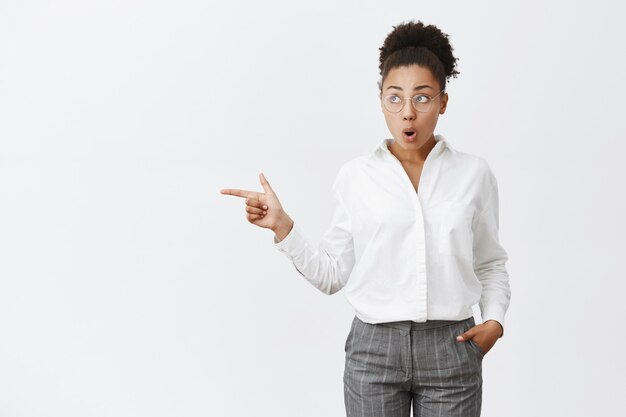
[327, 265]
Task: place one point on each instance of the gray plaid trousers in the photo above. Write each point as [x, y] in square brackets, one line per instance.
[392, 366]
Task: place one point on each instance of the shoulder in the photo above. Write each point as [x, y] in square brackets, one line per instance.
[348, 172]
[353, 165]
[475, 164]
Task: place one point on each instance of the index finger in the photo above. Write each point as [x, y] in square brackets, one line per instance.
[236, 192]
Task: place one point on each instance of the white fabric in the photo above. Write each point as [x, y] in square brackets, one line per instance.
[402, 255]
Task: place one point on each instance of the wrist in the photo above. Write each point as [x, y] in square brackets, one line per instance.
[283, 228]
[499, 326]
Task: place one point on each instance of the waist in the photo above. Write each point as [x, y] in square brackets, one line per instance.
[428, 324]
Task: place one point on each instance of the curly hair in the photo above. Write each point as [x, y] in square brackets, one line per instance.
[415, 43]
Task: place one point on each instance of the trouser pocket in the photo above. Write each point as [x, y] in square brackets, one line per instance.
[477, 348]
[350, 333]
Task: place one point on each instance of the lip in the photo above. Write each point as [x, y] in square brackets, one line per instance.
[408, 138]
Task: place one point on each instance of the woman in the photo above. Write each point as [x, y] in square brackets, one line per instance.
[413, 243]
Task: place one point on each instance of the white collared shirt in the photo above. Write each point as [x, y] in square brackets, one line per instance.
[402, 255]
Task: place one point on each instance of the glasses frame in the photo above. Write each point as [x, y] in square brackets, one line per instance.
[432, 100]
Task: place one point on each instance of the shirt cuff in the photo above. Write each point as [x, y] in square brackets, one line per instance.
[494, 314]
[293, 243]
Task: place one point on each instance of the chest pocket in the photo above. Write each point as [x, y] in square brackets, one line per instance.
[455, 231]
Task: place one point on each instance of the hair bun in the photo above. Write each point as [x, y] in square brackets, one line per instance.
[417, 35]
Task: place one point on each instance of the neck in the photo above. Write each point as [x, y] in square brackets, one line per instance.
[413, 156]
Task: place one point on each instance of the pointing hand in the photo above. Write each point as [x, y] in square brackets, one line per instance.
[263, 209]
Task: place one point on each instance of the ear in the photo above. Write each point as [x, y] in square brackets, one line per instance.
[444, 103]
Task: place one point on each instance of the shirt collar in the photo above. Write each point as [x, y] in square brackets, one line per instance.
[441, 144]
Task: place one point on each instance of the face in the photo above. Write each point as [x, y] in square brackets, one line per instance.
[406, 82]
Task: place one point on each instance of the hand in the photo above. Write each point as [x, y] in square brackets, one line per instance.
[264, 209]
[485, 335]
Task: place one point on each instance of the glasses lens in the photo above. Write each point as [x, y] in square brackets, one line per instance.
[422, 103]
[393, 103]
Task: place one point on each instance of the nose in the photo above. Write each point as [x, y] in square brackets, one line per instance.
[408, 112]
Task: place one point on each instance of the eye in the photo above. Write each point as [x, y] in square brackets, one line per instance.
[421, 98]
[393, 98]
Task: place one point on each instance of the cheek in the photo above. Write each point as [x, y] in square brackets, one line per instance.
[430, 121]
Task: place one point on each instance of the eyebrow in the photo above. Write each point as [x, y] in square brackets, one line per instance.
[419, 87]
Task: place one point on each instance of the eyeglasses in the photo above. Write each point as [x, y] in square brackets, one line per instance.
[422, 103]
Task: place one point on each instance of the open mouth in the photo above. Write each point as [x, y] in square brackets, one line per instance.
[409, 134]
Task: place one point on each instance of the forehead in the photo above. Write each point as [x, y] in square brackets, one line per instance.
[408, 77]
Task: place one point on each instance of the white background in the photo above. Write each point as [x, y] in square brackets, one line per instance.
[129, 286]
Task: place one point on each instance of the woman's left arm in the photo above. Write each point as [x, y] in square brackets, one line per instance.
[490, 259]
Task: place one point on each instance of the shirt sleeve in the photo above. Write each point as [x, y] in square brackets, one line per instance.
[327, 265]
[489, 261]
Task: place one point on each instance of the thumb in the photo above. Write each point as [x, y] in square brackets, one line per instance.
[465, 336]
[266, 185]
